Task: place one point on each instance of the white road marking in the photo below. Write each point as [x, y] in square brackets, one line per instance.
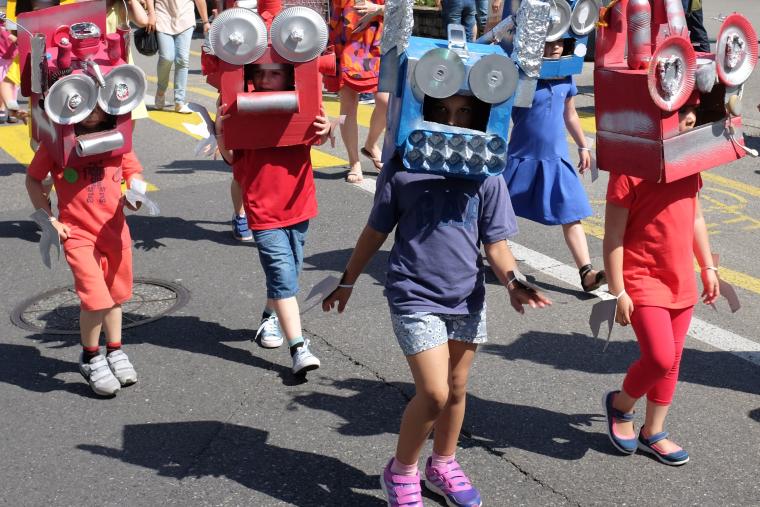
[705, 332]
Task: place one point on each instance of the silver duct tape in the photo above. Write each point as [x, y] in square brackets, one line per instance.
[39, 64]
[398, 24]
[99, 142]
[532, 22]
[503, 31]
[267, 102]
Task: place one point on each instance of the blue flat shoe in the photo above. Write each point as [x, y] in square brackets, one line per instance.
[648, 445]
[624, 445]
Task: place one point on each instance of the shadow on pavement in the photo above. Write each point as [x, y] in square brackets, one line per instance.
[211, 448]
[20, 229]
[335, 261]
[8, 169]
[584, 353]
[193, 166]
[755, 414]
[147, 232]
[488, 423]
[25, 366]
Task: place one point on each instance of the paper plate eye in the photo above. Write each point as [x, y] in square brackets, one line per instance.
[299, 34]
[71, 99]
[238, 36]
[672, 72]
[737, 50]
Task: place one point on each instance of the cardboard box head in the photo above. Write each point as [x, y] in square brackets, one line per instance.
[424, 130]
[640, 104]
[242, 43]
[70, 67]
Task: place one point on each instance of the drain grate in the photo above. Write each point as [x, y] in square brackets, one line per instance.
[57, 311]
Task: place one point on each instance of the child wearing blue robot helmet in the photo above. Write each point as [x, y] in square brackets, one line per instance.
[441, 192]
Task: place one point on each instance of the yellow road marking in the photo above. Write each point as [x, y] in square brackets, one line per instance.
[15, 142]
[206, 92]
[732, 184]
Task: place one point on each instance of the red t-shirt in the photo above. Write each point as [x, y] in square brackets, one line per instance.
[658, 251]
[278, 186]
[90, 198]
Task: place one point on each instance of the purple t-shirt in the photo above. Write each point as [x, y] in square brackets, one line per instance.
[435, 264]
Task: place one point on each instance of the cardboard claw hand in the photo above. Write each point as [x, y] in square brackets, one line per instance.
[206, 130]
[603, 312]
[49, 239]
[137, 193]
[319, 292]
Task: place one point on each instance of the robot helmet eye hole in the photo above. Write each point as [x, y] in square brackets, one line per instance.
[463, 111]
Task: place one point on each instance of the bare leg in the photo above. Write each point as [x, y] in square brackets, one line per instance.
[236, 193]
[654, 422]
[624, 403]
[430, 370]
[575, 239]
[377, 125]
[288, 315]
[449, 423]
[112, 324]
[349, 131]
[90, 324]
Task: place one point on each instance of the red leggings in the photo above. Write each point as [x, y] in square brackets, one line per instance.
[661, 333]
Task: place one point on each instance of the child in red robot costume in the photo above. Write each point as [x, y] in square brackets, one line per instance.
[81, 99]
[664, 115]
[276, 87]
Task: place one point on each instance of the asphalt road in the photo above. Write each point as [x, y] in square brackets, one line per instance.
[216, 420]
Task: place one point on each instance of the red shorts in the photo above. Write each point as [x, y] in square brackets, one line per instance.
[102, 279]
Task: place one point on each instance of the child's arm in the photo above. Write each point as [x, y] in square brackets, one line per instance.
[573, 125]
[615, 220]
[702, 250]
[39, 200]
[369, 242]
[226, 154]
[137, 13]
[503, 264]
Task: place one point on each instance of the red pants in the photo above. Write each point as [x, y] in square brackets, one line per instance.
[661, 333]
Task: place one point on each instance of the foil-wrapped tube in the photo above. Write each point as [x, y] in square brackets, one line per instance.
[99, 142]
[267, 102]
[532, 22]
[503, 31]
[639, 14]
[398, 22]
[676, 17]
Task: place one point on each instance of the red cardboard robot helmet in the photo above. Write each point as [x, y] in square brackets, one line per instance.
[69, 66]
[639, 97]
[241, 42]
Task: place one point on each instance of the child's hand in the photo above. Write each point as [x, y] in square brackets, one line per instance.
[323, 125]
[129, 205]
[63, 230]
[711, 286]
[623, 310]
[585, 160]
[520, 295]
[220, 117]
[341, 295]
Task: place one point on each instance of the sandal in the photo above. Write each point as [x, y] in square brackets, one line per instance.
[599, 280]
[376, 162]
[354, 177]
[649, 445]
[624, 445]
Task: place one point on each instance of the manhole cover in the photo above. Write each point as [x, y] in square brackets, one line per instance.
[57, 311]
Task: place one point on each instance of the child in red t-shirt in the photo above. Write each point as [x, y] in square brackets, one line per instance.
[98, 248]
[279, 199]
[652, 233]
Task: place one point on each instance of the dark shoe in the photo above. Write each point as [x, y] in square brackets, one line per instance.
[3, 116]
[240, 230]
[624, 445]
[649, 446]
[599, 280]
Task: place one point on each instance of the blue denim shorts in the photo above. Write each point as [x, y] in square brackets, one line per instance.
[459, 12]
[421, 331]
[281, 256]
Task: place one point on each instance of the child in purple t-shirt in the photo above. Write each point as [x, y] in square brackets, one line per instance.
[435, 290]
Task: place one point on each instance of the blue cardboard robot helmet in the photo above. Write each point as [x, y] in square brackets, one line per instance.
[571, 22]
[432, 77]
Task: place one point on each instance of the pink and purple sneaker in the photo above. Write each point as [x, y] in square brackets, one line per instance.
[452, 483]
[401, 490]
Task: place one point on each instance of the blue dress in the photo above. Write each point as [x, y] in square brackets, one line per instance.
[543, 184]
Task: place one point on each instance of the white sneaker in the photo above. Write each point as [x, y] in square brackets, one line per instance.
[182, 108]
[159, 102]
[304, 360]
[121, 367]
[269, 334]
[99, 376]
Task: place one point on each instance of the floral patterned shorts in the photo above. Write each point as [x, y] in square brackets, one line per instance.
[417, 332]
